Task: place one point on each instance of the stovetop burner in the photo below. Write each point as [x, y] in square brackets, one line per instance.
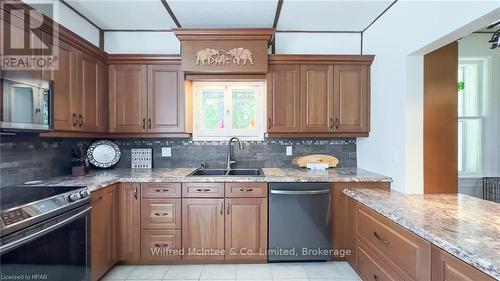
[13, 196]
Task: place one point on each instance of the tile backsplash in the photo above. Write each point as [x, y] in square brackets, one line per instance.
[29, 157]
[255, 154]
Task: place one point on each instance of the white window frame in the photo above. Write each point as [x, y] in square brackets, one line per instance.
[483, 66]
[200, 133]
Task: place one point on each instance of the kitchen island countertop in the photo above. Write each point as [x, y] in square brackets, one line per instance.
[464, 226]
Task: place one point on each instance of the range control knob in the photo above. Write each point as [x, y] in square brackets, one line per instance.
[74, 197]
[84, 193]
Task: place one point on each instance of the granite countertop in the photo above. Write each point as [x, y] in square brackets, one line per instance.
[99, 179]
[464, 226]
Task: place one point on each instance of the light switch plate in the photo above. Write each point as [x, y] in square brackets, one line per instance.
[166, 152]
[289, 150]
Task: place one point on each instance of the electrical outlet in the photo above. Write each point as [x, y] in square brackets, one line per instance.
[289, 150]
[166, 152]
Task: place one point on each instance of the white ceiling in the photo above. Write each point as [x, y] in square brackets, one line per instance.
[224, 14]
[125, 14]
[331, 15]
[303, 15]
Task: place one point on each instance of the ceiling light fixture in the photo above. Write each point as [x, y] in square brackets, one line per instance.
[495, 39]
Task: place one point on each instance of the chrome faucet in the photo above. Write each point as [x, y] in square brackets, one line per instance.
[230, 156]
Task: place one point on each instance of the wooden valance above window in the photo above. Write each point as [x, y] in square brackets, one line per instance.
[229, 51]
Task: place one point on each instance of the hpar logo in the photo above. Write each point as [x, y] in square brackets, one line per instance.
[29, 40]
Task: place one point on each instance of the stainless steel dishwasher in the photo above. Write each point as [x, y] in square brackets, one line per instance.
[299, 221]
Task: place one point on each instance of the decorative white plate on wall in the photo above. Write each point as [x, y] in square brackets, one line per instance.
[103, 153]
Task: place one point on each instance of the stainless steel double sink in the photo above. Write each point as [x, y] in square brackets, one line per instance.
[226, 172]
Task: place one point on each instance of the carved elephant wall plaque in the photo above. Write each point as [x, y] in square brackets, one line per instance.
[224, 56]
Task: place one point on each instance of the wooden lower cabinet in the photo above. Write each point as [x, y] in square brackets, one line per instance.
[203, 228]
[160, 245]
[103, 231]
[160, 213]
[343, 216]
[445, 267]
[129, 222]
[246, 229]
[370, 267]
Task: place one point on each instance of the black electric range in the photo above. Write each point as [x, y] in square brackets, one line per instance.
[45, 233]
[22, 206]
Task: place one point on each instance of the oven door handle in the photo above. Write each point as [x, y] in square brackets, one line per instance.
[300, 192]
[15, 243]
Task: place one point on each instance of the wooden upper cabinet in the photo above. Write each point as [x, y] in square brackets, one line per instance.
[165, 99]
[317, 98]
[351, 99]
[65, 88]
[203, 227]
[283, 98]
[129, 228]
[246, 228]
[92, 101]
[127, 98]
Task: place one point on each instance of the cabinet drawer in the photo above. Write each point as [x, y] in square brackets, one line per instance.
[246, 189]
[161, 213]
[160, 190]
[158, 245]
[407, 254]
[372, 268]
[202, 190]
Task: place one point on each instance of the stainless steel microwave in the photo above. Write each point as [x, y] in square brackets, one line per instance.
[25, 106]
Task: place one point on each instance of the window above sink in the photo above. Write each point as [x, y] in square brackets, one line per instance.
[225, 109]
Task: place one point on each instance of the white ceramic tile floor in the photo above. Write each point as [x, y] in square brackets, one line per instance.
[317, 271]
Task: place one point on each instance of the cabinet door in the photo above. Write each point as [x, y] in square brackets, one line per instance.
[165, 99]
[98, 235]
[351, 101]
[203, 228]
[317, 98]
[129, 245]
[127, 98]
[283, 98]
[446, 267]
[103, 239]
[90, 72]
[112, 233]
[65, 88]
[246, 228]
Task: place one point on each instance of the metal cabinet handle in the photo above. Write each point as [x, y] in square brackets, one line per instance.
[228, 207]
[337, 123]
[385, 241]
[80, 118]
[269, 122]
[135, 193]
[75, 120]
[99, 198]
[161, 214]
[203, 189]
[300, 192]
[149, 123]
[331, 124]
[221, 209]
[246, 189]
[161, 245]
[375, 277]
[161, 190]
[143, 124]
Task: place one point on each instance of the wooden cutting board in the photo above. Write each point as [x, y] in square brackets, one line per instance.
[302, 161]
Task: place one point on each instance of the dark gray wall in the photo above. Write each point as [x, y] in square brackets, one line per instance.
[29, 157]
